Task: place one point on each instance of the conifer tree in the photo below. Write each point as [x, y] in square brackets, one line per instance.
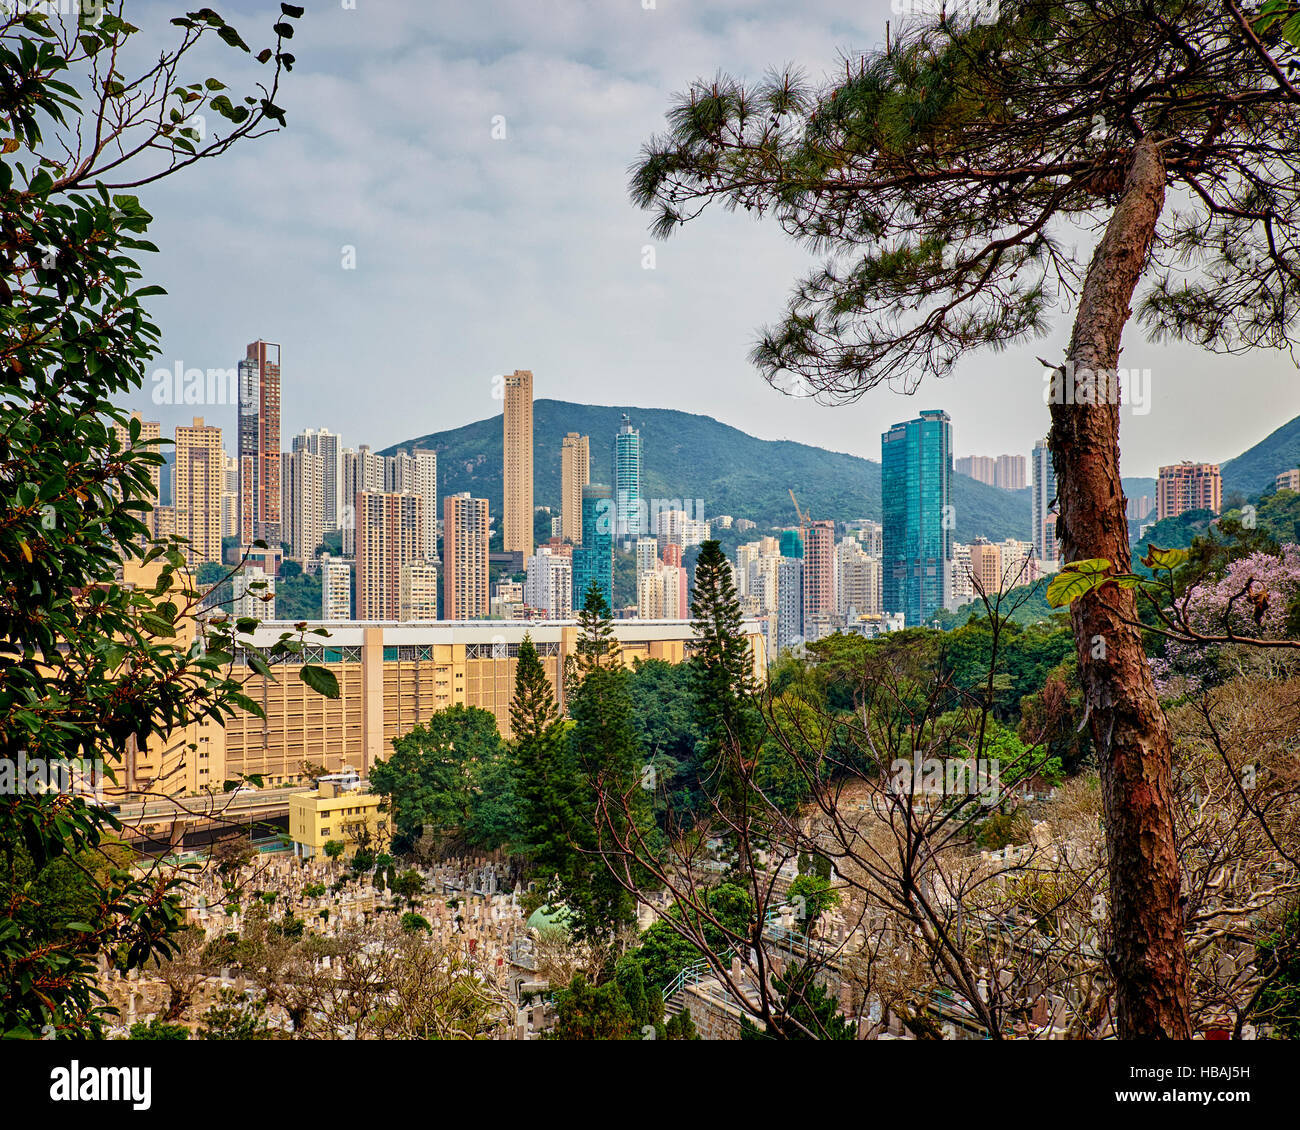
[545, 780]
[604, 746]
[597, 646]
[722, 675]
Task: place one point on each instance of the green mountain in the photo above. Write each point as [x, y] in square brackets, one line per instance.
[1254, 470]
[1137, 488]
[685, 456]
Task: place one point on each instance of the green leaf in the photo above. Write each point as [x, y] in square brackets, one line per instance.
[1077, 579]
[231, 36]
[1163, 558]
[320, 680]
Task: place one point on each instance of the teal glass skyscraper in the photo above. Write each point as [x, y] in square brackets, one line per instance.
[916, 489]
[627, 479]
[593, 560]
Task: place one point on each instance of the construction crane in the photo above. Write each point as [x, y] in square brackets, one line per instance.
[804, 520]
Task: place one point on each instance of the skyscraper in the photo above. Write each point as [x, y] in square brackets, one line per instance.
[303, 491]
[417, 473]
[916, 474]
[465, 557]
[517, 490]
[594, 559]
[196, 490]
[627, 479]
[229, 496]
[259, 439]
[325, 443]
[819, 597]
[1043, 500]
[363, 470]
[390, 534]
[575, 473]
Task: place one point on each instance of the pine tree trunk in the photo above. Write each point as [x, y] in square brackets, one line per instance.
[1148, 951]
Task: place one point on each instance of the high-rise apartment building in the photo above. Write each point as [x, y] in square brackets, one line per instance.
[1043, 504]
[594, 559]
[676, 527]
[647, 555]
[549, 585]
[253, 594]
[465, 534]
[197, 479]
[916, 486]
[1287, 480]
[981, 468]
[229, 496]
[1010, 473]
[627, 479]
[303, 505]
[417, 473]
[961, 589]
[390, 534]
[335, 588]
[818, 570]
[575, 473]
[325, 444]
[791, 544]
[147, 440]
[857, 580]
[870, 536]
[418, 591]
[1019, 566]
[985, 567]
[789, 602]
[363, 470]
[1188, 486]
[517, 489]
[259, 440]
[1004, 471]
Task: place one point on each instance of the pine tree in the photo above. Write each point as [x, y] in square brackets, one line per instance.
[545, 781]
[597, 646]
[532, 710]
[722, 676]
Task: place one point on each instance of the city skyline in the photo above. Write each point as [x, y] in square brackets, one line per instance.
[584, 311]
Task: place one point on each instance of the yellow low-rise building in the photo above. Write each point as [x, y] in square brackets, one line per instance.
[329, 812]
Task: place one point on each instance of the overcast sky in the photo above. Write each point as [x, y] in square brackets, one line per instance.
[476, 256]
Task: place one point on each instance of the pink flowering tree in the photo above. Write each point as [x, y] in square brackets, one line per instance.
[1248, 609]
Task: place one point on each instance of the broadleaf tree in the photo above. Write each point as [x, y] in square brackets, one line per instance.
[91, 662]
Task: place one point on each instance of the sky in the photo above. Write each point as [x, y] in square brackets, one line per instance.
[474, 255]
